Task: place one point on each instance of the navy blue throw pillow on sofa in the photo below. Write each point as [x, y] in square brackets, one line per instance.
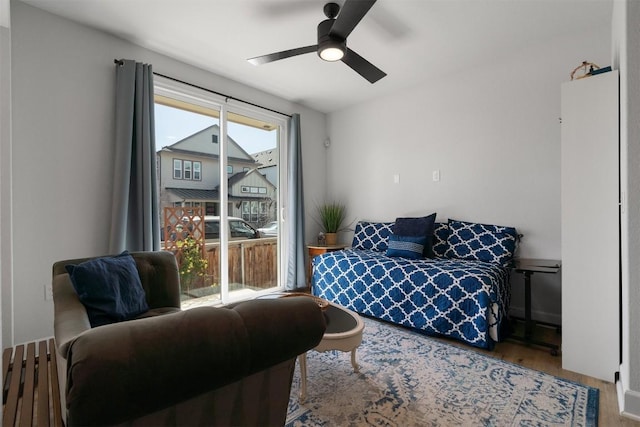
[421, 226]
[109, 288]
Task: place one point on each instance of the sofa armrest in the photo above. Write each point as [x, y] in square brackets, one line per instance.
[70, 316]
[148, 364]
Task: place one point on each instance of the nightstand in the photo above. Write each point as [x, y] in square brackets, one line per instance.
[527, 267]
[315, 250]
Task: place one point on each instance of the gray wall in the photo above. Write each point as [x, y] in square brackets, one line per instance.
[63, 100]
[493, 133]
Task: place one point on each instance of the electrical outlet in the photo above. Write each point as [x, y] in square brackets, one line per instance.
[48, 292]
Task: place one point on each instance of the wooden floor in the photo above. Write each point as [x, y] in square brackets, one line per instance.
[539, 358]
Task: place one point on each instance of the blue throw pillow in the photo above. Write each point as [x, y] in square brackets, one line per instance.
[483, 242]
[422, 226]
[411, 247]
[372, 235]
[109, 288]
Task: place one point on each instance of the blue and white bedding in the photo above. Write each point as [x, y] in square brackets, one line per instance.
[466, 299]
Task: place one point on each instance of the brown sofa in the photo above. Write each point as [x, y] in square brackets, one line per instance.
[204, 366]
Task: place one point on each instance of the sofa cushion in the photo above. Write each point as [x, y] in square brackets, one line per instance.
[109, 288]
[440, 237]
[372, 235]
[411, 247]
[421, 226]
[483, 242]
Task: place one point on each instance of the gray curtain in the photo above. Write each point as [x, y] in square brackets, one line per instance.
[134, 215]
[295, 213]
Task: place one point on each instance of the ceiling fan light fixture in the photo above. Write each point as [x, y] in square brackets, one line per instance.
[331, 53]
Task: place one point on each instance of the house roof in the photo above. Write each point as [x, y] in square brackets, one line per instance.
[206, 142]
[267, 157]
[197, 194]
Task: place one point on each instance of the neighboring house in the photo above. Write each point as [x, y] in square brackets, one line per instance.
[188, 176]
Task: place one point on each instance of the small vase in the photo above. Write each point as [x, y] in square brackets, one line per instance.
[331, 238]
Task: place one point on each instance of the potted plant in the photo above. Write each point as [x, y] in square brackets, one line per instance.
[332, 215]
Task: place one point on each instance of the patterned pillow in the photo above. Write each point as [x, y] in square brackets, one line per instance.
[440, 237]
[482, 242]
[410, 247]
[372, 235]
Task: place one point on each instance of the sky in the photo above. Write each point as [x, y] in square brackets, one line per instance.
[173, 125]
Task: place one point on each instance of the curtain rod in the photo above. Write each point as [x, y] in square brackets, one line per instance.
[121, 61]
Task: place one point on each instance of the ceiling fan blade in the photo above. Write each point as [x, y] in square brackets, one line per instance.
[258, 60]
[350, 14]
[363, 67]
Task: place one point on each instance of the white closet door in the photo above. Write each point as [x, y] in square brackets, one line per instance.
[590, 236]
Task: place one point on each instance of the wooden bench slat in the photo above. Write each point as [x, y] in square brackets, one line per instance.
[28, 388]
[55, 389]
[6, 362]
[11, 407]
[42, 413]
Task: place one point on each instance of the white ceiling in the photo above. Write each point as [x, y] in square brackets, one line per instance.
[411, 40]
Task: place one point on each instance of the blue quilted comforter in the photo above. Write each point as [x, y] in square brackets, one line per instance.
[465, 300]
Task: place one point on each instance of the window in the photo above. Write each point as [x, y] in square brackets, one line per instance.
[189, 120]
[254, 190]
[196, 171]
[187, 169]
[177, 169]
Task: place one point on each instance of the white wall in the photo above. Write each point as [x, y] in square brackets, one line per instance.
[626, 57]
[63, 100]
[5, 168]
[493, 133]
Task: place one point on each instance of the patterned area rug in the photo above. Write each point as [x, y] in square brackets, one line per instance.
[408, 379]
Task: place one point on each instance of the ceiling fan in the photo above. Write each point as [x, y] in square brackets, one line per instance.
[332, 40]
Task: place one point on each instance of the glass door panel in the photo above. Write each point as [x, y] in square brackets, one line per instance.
[253, 191]
[187, 144]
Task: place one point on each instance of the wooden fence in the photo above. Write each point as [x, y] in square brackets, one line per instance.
[252, 263]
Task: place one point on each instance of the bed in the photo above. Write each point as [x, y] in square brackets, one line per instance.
[459, 290]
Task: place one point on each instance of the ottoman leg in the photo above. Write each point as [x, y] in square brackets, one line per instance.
[356, 368]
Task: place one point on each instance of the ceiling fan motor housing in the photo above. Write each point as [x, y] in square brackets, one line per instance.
[328, 41]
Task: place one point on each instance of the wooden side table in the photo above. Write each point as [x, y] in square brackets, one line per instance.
[528, 266]
[315, 250]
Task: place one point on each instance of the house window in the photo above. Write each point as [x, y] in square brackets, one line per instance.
[229, 169]
[187, 169]
[196, 171]
[245, 189]
[177, 169]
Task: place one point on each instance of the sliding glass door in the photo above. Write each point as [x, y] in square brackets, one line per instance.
[219, 170]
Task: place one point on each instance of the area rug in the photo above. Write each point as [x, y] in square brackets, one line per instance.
[409, 379]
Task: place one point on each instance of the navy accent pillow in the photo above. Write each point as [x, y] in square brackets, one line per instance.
[440, 237]
[109, 288]
[422, 226]
[411, 247]
[372, 235]
[482, 242]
